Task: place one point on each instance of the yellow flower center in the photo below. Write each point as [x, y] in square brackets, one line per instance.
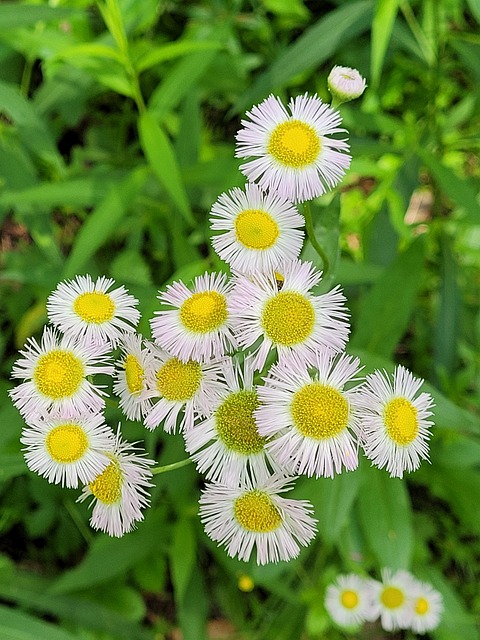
[421, 606]
[349, 599]
[95, 307]
[256, 512]
[401, 421]
[294, 144]
[392, 597]
[319, 411]
[204, 312]
[288, 318]
[134, 373]
[256, 229]
[236, 425]
[66, 443]
[179, 381]
[107, 487]
[58, 374]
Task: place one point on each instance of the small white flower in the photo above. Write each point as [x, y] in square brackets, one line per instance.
[66, 448]
[348, 601]
[86, 309]
[345, 84]
[391, 599]
[260, 230]
[395, 425]
[199, 325]
[294, 155]
[120, 492]
[133, 370]
[190, 387]
[290, 319]
[256, 515]
[55, 374]
[226, 446]
[310, 415]
[427, 608]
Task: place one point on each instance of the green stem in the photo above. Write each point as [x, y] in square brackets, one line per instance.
[171, 467]
[307, 213]
[26, 77]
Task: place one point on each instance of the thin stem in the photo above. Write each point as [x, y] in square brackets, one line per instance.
[171, 467]
[26, 77]
[78, 520]
[307, 213]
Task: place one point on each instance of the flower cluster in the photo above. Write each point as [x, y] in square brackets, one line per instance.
[251, 369]
[399, 601]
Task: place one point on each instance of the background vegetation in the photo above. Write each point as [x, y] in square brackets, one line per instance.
[117, 123]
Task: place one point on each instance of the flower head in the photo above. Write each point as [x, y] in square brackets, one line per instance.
[310, 414]
[199, 325]
[66, 448]
[395, 425]
[348, 601]
[120, 492]
[427, 607]
[345, 84]
[294, 155]
[391, 599]
[55, 374]
[259, 230]
[289, 319]
[257, 515]
[91, 310]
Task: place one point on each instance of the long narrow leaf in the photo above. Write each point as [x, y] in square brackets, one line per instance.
[382, 25]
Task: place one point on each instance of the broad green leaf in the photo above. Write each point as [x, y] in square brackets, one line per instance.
[11, 466]
[382, 25]
[474, 6]
[171, 50]
[460, 489]
[193, 608]
[182, 556]
[16, 625]
[159, 152]
[387, 307]
[386, 518]
[354, 273]
[311, 49]
[14, 14]
[102, 223]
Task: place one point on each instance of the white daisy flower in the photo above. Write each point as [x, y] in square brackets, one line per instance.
[260, 229]
[120, 492]
[395, 425]
[199, 325]
[348, 601]
[289, 319]
[87, 309]
[391, 599]
[132, 371]
[226, 446]
[66, 448]
[310, 415]
[55, 374]
[427, 608]
[294, 155]
[189, 388]
[256, 515]
[345, 84]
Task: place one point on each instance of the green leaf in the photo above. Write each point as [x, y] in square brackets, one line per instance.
[474, 6]
[11, 465]
[16, 625]
[386, 518]
[171, 50]
[182, 556]
[311, 49]
[384, 314]
[160, 154]
[193, 608]
[382, 25]
[84, 192]
[14, 15]
[103, 221]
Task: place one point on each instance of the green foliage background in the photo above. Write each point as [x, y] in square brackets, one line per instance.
[117, 123]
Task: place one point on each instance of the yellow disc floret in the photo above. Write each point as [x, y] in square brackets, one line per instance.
[294, 144]
[421, 606]
[204, 312]
[134, 373]
[95, 307]
[319, 411]
[179, 381]
[58, 374]
[349, 599]
[288, 318]
[66, 443]
[256, 229]
[236, 425]
[107, 487]
[401, 421]
[256, 512]
[392, 597]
